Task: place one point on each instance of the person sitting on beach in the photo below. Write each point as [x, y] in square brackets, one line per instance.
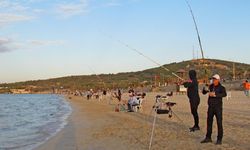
[133, 101]
[140, 98]
[170, 94]
[131, 91]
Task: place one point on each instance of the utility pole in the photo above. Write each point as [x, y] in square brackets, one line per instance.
[197, 54]
[163, 80]
[234, 72]
[193, 54]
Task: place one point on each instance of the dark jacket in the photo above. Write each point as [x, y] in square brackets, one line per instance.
[192, 88]
[220, 92]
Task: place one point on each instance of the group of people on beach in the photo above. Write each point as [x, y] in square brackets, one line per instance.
[215, 92]
[135, 100]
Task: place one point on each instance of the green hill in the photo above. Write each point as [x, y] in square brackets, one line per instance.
[147, 77]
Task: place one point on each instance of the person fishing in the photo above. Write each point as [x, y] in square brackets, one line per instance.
[216, 93]
[194, 98]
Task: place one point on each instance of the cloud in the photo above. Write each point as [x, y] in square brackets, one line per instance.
[73, 9]
[38, 10]
[45, 42]
[4, 3]
[7, 5]
[113, 3]
[4, 45]
[7, 18]
[12, 11]
[9, 45]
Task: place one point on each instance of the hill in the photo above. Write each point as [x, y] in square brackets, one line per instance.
[155, 76]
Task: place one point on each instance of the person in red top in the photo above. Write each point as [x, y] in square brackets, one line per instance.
[246, 86]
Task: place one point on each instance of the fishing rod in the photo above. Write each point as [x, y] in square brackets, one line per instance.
[199, 39]
[196, 28]
[143, 55]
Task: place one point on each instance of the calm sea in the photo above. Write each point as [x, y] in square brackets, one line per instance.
[27, 121]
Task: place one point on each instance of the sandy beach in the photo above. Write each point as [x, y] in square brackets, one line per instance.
[94, 125]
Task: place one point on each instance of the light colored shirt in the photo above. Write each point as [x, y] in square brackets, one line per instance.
[133, 101]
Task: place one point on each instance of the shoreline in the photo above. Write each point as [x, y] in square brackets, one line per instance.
[94, 125]
[64, 121]
[76, 128]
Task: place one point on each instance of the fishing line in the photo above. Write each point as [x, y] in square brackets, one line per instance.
[140, 53]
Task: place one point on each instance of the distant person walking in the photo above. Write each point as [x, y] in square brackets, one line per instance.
[216, 93]
[194, 98]
[246, 86]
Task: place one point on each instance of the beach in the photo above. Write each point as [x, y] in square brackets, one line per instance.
[94, 125]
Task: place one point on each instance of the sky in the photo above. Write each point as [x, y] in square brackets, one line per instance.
[42, 39]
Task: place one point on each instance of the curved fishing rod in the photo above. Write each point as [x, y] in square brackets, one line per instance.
[196, 28]
[140, 53]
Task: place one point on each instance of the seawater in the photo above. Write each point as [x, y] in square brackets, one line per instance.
[26, 121]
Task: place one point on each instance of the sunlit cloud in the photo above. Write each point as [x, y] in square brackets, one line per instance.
[45, 42]
[7, 18]
[73, 9]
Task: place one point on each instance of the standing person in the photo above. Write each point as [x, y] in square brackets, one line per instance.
[119, 95]
[216, 93]
[104, 92]
[246, 86]
[194, 98]
[88, 95]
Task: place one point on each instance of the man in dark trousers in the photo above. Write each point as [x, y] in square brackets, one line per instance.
[194, 98]
[216, 93]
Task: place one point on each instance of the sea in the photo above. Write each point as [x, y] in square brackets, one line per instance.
[29, 120]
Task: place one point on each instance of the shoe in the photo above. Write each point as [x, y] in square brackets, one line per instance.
[195, 128]
[206, 140]
[219, 142]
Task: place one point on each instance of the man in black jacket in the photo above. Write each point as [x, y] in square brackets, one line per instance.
[194, 98]
[216, 93]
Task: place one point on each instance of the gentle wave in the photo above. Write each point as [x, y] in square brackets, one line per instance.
[26, 121]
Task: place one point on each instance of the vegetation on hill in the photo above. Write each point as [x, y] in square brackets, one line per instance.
[152, 76]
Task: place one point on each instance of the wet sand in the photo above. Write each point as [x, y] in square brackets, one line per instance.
[94, 125]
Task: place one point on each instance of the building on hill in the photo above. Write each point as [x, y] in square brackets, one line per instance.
[181, 73]
[20, 91]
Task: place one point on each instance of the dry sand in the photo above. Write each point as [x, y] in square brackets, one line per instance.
[95, 125]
